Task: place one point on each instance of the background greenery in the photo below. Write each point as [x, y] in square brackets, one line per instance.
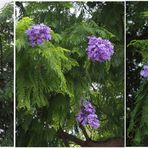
[52, 78]
[6, 76]
[137, 56]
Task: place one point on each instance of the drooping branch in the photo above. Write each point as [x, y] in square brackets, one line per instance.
[111, 142]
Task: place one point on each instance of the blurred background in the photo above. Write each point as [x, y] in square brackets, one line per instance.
[6, 73]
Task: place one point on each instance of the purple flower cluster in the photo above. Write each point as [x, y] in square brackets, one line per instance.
[87, 115]
[38, 33]
[144, 72]
[99, 49]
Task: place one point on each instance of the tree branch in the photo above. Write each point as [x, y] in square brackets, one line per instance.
[66, 142]
[84, 132]
[64, 135]
[111, 142]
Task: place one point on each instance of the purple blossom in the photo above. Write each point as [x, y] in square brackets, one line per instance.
[37, 34]
[99, 49]
[87, 115]
[144, 72]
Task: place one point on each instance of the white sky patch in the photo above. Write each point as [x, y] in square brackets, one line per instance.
[1, 131]
[3, 3]
[140, 64]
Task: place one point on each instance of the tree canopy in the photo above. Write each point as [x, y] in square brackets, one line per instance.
[52, 78]
[6, 76]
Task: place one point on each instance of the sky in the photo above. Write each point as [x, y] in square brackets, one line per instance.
[3, 2]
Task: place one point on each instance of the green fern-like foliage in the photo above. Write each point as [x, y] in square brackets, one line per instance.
[43, 66]
[141, 46]
[139, 116]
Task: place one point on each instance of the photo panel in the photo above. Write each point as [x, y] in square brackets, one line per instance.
[137, 73]
[6, 74]
[69, 74]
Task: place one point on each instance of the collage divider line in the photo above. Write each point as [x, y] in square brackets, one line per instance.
[14, 81]
[124, 73]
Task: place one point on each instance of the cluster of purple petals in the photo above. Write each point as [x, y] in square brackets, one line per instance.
[99, 49]
[87, 115]
[144, 72]
[37, 34]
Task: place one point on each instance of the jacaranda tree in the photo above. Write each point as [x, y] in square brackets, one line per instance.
[69, 69]
[6, 75]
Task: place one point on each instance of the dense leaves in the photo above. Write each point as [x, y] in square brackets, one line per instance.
[6, 76]
[53, 77]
